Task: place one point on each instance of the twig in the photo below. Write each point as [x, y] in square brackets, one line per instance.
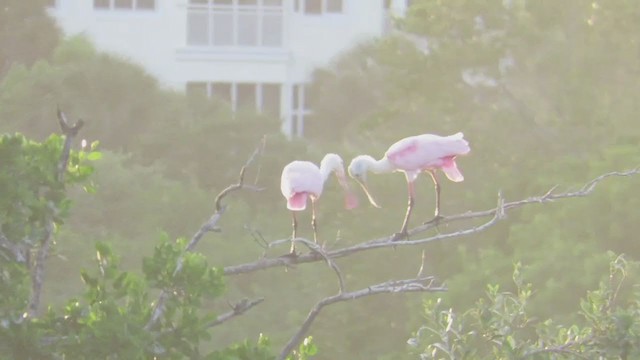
[423, 284]
[318, 249]
[18, 253]
[210, 225]
[237, 309]
[37, 274]
[497, 214]
[564, 349]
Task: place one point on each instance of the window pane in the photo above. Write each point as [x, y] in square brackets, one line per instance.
[295, 89]
[334, 6]
[272, 30]
[221, 91]
[247, 2]
[197, 27]
[196, 89]
[246, 96]
[198, 2]
[222, 29]
[146, 4]
[123, 4]
[51, 3]
[101, 4]
[248, 29]
[271, 99]
[313, 7]
[272, 2]
[222, 2]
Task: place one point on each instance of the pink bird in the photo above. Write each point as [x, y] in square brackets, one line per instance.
[303, 179]
[413, 155]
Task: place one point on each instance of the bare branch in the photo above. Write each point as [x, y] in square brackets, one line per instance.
[237, 309]
[423, 284]
[210, 225]
[37, 274]
[240, 184]
[318, 249]
[496, 213]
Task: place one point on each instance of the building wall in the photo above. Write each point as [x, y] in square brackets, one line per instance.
[157, 40]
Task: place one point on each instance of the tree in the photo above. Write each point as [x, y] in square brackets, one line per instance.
[117, 315]
[27, 33]
[500, 325]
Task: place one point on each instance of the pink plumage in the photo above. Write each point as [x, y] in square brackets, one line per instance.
[300, 180]
[419, 153]
[303, 180]
[413, 155]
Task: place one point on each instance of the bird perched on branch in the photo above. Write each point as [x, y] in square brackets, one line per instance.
[413, 155]
[302, 180]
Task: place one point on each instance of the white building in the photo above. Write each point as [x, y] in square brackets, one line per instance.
[256, 53]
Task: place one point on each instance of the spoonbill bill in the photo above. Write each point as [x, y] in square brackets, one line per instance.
[303, 179]
[413, 155]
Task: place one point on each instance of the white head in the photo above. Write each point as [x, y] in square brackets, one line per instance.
[333, 163]
[358, 169]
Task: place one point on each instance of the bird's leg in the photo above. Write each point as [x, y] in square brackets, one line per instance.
[293, 236]
[403, 232]
[436, 217]
[313, 221]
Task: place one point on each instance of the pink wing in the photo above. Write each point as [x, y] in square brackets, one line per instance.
[428, 151]
[300, 179]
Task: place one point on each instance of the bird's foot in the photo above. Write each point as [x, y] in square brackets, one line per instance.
[435, 221]
[402, 235]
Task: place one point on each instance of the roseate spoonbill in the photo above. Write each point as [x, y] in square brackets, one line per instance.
[303, 179]
[413, 155]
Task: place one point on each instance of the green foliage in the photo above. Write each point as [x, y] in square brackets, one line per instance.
[111, 318]
[25, 41]
[32, 196]
[501, 326]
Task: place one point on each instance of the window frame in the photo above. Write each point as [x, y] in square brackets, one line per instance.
[300, 7]
[134, 6]
[236, 10]
[233, 96]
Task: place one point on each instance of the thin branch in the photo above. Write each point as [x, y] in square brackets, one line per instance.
[497, 214]
[211, 225]
[318, 249]
[237, 309]
[18, 252]
[564, 349]
[423, 284]
[37, 274]
[240, 184]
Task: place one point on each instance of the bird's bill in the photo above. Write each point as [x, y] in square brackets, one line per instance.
[363, 184]
[350, 200]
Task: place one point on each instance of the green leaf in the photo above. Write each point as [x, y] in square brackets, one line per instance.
[94, 155]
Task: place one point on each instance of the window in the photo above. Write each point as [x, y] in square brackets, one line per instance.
[246, 96]
[251, 23]
[318, 7]
[124, 4]
[262, 97]
[299, 110]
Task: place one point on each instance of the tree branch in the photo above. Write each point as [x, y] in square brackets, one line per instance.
[210, 225]
[18, 252]
[495, 213]
[37, 274]
[423, 284]
[237, 309]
